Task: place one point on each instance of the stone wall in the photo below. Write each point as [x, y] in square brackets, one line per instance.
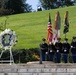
[34, 68]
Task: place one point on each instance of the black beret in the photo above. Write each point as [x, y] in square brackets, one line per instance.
[74, 37]
[58, 38]
[43, 39]
[66, 39]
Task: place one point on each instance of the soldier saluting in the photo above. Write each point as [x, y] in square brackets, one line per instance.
[66, 48]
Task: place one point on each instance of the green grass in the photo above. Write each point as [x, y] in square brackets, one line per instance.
[32, 27]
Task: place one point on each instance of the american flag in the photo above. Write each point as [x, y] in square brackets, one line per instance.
[50, 32]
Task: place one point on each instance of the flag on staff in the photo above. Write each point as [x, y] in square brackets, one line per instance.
[58, 20]
[66, 23]
[55, 36]
[50, 32]
[57, 26]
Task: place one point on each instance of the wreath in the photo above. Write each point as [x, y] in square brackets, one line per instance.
[7, 38]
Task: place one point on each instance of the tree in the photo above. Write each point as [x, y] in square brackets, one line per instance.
[14, 6]
[69, 2]
[47, 4]
[74, 0]
[50, 4]
[27, 8]
[3, 10]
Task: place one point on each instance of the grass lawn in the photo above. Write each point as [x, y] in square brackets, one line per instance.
[32, 27]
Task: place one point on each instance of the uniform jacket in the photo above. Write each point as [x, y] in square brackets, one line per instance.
[58, 47]
[51, 48]
[44, 47]
[73, 47]
[66, 47]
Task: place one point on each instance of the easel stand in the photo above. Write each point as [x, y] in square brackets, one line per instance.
[11, 60]
[11, 56]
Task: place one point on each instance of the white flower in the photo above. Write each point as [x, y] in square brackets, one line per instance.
[7, 38]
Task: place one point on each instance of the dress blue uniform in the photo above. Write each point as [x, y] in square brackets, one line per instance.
[73, 49]
[44, 49]
[58, 47]
[51, 51]
[66, 48]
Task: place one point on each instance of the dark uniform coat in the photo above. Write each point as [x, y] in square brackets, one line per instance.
[73, 47]
[58, 47]
[66, 47]
[44, 47]
[51, 49]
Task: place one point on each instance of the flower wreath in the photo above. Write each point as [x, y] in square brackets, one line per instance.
[7, 38]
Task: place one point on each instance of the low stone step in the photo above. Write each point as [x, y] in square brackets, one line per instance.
[39, 70]
[34, 68]
[37, 73]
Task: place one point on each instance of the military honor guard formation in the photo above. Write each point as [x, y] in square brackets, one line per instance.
[56, 49]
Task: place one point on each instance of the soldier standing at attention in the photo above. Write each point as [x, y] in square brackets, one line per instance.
[73, 49]
[58, 47]
[44, 49]
[51, 51]
[66, 48]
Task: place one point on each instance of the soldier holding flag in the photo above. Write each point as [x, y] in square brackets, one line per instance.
[51, 48]
[58, 47]
[66, 48]
[49, 38]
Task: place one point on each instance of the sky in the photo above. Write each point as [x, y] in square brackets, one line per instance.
[34, 3]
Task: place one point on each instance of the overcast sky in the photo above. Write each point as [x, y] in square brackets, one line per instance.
[34, 3]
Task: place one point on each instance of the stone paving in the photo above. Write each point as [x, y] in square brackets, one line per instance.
[34, 68]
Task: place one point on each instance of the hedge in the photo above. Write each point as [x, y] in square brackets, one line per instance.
[22, 55]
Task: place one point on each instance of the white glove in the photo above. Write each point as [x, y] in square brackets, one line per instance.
[50, 50]
[57, 50]
[65, 50]
[46, 52]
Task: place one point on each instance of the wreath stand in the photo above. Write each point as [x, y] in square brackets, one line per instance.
[7, 41]
[11, 60]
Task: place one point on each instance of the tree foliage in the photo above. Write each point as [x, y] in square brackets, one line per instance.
[14, 6]
[46, 4]
[50, 4]
[27, 7]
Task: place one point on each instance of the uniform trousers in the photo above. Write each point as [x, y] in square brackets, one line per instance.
[43, 55]
[51, 55]
[65, 57]
[58, 57]
[74, 57]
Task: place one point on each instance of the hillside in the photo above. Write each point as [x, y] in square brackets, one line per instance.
[32, 27]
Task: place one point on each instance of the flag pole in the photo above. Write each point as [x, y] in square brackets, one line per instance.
[65, 35]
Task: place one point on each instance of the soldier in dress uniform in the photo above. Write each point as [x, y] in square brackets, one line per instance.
[73, 49]
[66, 48]
[44, 49]
[58, 47]
[51, 48]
